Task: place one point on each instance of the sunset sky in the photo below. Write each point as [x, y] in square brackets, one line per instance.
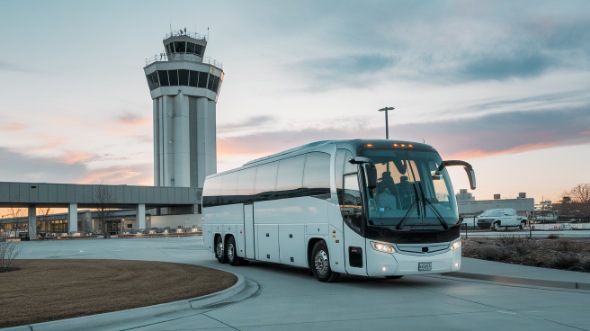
[504, 85]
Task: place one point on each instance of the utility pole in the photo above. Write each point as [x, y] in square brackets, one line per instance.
[386, 110]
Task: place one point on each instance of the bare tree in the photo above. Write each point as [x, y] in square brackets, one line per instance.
[104, 199]
[581, 193]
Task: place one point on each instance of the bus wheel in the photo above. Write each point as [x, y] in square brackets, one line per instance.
[219, 251]
[230, 252]
[320, 259]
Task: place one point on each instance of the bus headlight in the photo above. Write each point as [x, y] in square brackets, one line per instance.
[456, 245]
[385, 248]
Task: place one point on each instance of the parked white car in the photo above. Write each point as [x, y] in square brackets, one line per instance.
[496, 218]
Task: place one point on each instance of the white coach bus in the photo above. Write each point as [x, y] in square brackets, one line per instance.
[377, 208]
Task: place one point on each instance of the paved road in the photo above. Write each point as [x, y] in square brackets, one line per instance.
[290, 299]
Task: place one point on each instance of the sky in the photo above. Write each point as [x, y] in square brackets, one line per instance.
[504, 85]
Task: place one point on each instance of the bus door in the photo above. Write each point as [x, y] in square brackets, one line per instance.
[249, 230]
[352, 214]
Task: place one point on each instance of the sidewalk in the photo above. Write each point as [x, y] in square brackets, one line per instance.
[522, 275]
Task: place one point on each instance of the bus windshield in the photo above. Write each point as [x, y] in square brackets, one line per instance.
[410, 192]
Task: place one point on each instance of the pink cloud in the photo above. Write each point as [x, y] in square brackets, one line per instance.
[132, 175]
[12, 127]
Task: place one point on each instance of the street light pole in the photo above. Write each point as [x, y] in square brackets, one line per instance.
[386, 110]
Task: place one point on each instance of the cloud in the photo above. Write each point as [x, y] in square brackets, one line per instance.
[248, 123]
[133, 119]
[71, 168]
[134, 174]
[16, 166]
[12, 127]
[491, 134]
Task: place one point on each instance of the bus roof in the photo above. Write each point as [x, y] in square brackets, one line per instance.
[353, 144]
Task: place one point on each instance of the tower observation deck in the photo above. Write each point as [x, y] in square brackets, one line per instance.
[184, 87]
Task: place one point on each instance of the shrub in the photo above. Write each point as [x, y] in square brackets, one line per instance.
[8, 252]
[565, 261]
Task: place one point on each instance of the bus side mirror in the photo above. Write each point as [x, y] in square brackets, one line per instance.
[468, 169]
[368, 168]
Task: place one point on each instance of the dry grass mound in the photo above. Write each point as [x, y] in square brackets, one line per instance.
[556, 253]
[44, 290]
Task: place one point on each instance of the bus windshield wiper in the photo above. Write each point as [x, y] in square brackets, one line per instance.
[405, 219]
[426, 202]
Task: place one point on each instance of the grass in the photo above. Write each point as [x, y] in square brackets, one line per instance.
[44, 290]
[556, 253]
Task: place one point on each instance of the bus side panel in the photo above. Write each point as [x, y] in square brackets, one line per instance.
[267, 242]
[249, 231]
[292, 244]
[336, 240]
[223, 220]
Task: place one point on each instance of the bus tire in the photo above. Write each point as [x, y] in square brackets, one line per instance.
[320, 263]
[219, 250]
[230, 252]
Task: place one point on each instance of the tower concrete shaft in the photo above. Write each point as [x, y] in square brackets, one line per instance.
[184, 88]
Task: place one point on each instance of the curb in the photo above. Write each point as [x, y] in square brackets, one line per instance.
[521, 281]
[112, 319]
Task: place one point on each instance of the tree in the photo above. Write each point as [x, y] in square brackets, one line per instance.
[104, 199]
[581, 193]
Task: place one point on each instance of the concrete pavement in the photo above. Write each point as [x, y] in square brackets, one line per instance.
[200, 312]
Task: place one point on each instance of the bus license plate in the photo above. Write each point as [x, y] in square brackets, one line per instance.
[424, 266]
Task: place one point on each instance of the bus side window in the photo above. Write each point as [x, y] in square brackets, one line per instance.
[352, 206]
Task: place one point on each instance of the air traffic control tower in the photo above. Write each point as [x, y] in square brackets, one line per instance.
[184, 87]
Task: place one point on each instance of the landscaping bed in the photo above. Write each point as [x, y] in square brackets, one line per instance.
[556, 253]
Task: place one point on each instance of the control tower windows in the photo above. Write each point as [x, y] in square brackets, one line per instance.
[198, 50]
[173, 74]
[179, 46]
[190, 48]
[183, 77]
[203, 79]
[163, 75]
[182, 47]
[153, 81]
[194, 79]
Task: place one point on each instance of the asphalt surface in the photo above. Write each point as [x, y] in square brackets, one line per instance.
[484, 295]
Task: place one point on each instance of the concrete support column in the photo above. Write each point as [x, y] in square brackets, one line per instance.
[140, 216]
[73, 218]
[33, 222]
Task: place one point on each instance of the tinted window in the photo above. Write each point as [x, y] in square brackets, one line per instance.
[210, 84]
[317, 171]
[203, 79]
[153, 80]
[245, 186]
[194, 78]
[199, 50]
[173, 75]
[266, 178]
[215, 80]
[163, 75]
[183, 77]
[290, 174]
[211, 191]
[342, 157]
[228, 188]
[190, 47]
[179, 46]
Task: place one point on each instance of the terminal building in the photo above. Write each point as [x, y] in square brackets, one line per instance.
[184, 86]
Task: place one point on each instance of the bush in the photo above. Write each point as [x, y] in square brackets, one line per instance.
[565, 262]
[8, 252]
